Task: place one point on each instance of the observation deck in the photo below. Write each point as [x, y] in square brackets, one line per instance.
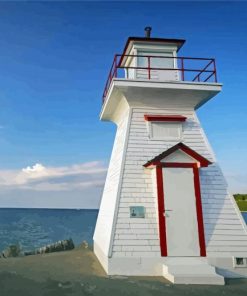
[161, 68]
[149, 70]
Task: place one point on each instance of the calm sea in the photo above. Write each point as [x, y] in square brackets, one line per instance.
[245, 216]
[33, 228]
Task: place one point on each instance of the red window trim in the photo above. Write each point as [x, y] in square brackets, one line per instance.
[161, 206]
[176, 118]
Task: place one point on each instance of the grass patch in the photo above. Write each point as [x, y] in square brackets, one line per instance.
[241, 200]
[242, 204]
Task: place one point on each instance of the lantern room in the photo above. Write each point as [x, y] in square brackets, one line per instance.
[155, 60]
[150, 73]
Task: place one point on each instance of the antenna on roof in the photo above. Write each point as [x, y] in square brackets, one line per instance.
[148, 32]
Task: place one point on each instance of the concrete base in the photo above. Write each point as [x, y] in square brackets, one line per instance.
[180, 270]
[193, 270]
[225, 267]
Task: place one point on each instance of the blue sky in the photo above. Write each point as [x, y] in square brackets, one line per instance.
[54, 60]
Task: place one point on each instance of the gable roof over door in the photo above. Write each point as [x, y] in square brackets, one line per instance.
[204, 162]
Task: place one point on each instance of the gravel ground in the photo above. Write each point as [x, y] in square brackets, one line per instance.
[78, 272]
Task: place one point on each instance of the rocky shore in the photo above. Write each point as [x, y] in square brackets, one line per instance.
[15, 250]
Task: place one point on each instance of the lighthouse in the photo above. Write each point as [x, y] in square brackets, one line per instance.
[165, 209]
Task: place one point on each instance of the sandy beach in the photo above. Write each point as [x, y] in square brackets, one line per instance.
[78, 272]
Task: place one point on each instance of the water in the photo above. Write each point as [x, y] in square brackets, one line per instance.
[33, 228]
[245, 216]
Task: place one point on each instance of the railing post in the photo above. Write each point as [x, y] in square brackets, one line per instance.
[104, 95]
[119, 62]
[149, 74]
[115, 66]
[215, 74]
[182, 65]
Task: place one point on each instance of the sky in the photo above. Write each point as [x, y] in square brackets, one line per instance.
[54, 61]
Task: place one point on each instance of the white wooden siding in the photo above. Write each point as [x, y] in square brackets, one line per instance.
[105, 220]
[224, 230]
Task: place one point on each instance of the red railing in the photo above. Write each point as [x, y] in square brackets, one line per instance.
[183, 69]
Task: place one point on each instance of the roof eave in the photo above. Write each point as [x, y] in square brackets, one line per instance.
[204, 162]
[179, 42]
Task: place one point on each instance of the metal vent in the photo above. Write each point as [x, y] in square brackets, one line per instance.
[148, 32]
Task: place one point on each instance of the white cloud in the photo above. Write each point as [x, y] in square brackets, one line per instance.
[74, 186]
[65, 178]
[36, 168]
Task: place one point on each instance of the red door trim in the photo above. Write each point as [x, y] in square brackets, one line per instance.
[161, 205]
[161, 209]
[177, 165]
[180, 146]
[201, 234]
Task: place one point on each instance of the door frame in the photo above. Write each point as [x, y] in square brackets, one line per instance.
[161, 205]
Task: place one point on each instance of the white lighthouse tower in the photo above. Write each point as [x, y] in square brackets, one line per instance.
[165, 209]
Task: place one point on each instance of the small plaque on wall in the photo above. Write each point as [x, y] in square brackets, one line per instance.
[137, 212]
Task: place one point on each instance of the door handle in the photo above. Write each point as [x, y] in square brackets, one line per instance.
[166, 214]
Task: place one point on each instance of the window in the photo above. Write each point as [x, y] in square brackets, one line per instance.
[158, 62]
[240, 262]
[165, 130]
